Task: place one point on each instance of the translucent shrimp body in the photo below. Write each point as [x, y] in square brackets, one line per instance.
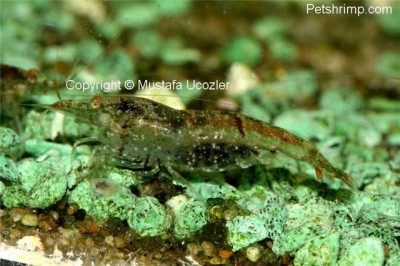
[140, 133]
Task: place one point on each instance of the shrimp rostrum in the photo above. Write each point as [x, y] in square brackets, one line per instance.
[142, 134]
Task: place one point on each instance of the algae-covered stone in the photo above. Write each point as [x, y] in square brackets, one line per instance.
[173, 53]
[340, 100]
[46, 126]
[305, 193]
[2, 188]
[319, 251]
[246, 230]
[148, 218]
[394, 259]
[293, 239]
[243, 50]
[304, 222]
[103, 199]
[314, 124]
[375, 207]
[268, 207]
[316, 214]
[190, 218]
[171, 8]
[283, 50]
[389, 65]
[148, 43]
[42, 184]
[124, 177]
[389, 22]
[10, 142]
[38, 147]
[269, 28]
[29, 173]
[294, 87]
[8, 169]
[261, 111]
[137, 15]
[208, 190]
[117, 65]
[366, 251]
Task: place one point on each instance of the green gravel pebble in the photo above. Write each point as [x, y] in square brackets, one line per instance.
[103, 199]
[243, 50]
[148, 43]
[314, 124]
[283, 50]
[190, 219]
[10, 142]
[295, 238]
[138, 15]
[39, 147]
[245, 230]
[394, 139]
[390, 22]
[340, 100]
[8, 169]
[117, 65]
[173, 53]
[389, 65]
[209, 190]
[269, 28]
[2, 188]
[394, 259]
[173, 8]
[48, 187]
[366, 251]
[319, 251]
[148, 218]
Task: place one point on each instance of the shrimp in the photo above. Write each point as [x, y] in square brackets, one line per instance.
[139, 133]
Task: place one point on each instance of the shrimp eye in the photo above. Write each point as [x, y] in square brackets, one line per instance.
[95, 102]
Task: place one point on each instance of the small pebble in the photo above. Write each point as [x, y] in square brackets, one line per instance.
[73, 208]
[193, 248]
[57, 253]
[30, 219]
[119, 242]
[218, 261]
[253, 253]
[209, 249]
[3, 213]
[94, 252]
[15, 234]
[49, 242]
[109, 240]
[225, 254]
[31, 243]
[89, 242]
[15, 215]
[54, 215]
[46, 225]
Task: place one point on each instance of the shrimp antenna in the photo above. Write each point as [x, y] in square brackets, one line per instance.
[56, 67]
[96, 58]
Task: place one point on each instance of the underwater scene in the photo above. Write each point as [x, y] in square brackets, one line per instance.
[189, 132]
